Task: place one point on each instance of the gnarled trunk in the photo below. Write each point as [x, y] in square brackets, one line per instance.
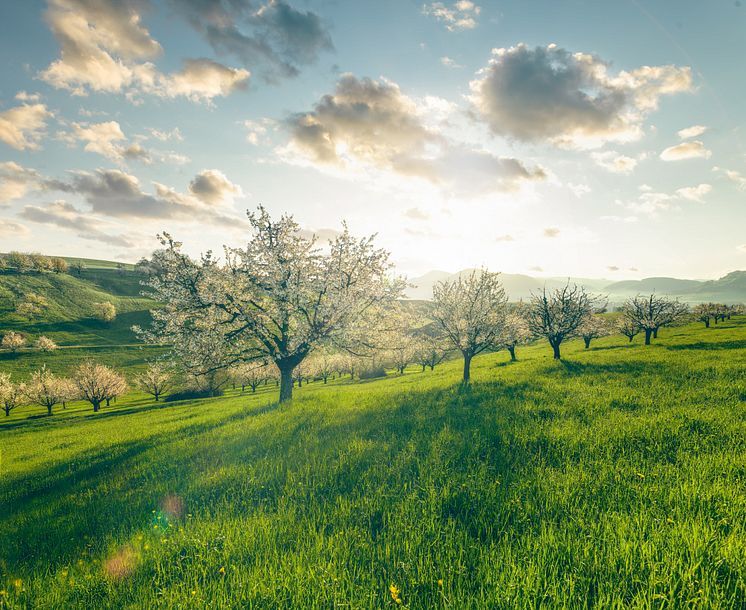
[587, 341]
[511, 349]
[648, 334]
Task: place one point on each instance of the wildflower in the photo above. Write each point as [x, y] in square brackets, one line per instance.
[640, 475]
[17, 583]
[440, 583]
[394, 590]
[222, 570]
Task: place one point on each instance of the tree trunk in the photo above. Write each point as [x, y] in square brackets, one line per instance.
[401, 370]
[511, 349]
[286, 383]
[432, 367]
[707, 323]
[423, 368]
[7, 411]
[648, 333]
[630, 339]
[655, 333]
[325, 380]
[49, 409]
[467, 367]
[587, 342]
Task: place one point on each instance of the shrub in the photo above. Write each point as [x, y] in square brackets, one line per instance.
[193, 393]
[45, 344]
[374, 372]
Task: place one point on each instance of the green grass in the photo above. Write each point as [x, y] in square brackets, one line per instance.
[67, 317]
[613, 479]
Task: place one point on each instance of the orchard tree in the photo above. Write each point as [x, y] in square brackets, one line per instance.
[276, 299]
[470, 311]
[46, 389]
[97, 383]
[557, 314]
[105, 311]
[430, 351]
[11, 394]
[397, 341]
[59, 265]
[593, 327]
[627, 328]
[40, 263]
[45, 344]
[13, 341]
[32, 306]
[515, 332]
[652, 312]
[77, 267]
[704, 312]
[252, 374]
[155, 380]
[19, 261]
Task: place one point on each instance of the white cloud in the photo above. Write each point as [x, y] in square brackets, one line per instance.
[372, 124]
[695, 193]
[579, 189]
[23, 126]
[449, 62]
[23, 96]
[691, 132]
[8, 229]
[211, 186]
[569, 99]
[256, 131]
[460, 15]
[694, 149]
[734, 176]
[551, 232]
[62, 214]
[614, 162]
[101, 138]
[105, 47]
[165, 135]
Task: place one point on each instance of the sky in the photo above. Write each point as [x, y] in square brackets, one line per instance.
[547, 137]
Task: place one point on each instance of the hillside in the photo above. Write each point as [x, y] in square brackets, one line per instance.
[65, 311]
[613, 479]
[731, 288]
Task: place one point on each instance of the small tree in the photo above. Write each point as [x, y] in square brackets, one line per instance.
[156, 380]
[97, 383]
[19, 261]
[45, 389]
[593, 327]
[557, 314]
[77, 267]
[653, 312]
[32, 306]
[45, 344]
[704, 312]
[470, 312]
[430, 351]
[252, 374]
[514, 333]
[13, 341]
[627, 328]
[105, 311]
[59, 265]
[10, 393]
[40, 263]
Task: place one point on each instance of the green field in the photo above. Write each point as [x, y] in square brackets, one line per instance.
[612, 479]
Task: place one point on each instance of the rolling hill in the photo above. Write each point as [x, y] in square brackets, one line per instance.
[730, 288]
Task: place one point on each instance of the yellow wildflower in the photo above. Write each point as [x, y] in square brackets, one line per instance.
[440, 583]
[222, 570]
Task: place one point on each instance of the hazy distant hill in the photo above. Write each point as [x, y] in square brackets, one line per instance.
[730, 288]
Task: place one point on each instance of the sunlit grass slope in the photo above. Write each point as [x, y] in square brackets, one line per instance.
[614, 479]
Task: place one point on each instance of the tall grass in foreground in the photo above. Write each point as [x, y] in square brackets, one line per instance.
[613, 479]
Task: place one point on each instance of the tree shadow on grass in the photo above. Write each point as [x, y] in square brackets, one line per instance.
[707, 346]
[575, 368]
[82, 503]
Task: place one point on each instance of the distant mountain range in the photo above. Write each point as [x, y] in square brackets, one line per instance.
[730, 288]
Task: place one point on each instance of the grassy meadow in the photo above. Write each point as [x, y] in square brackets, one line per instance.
[612, 479]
